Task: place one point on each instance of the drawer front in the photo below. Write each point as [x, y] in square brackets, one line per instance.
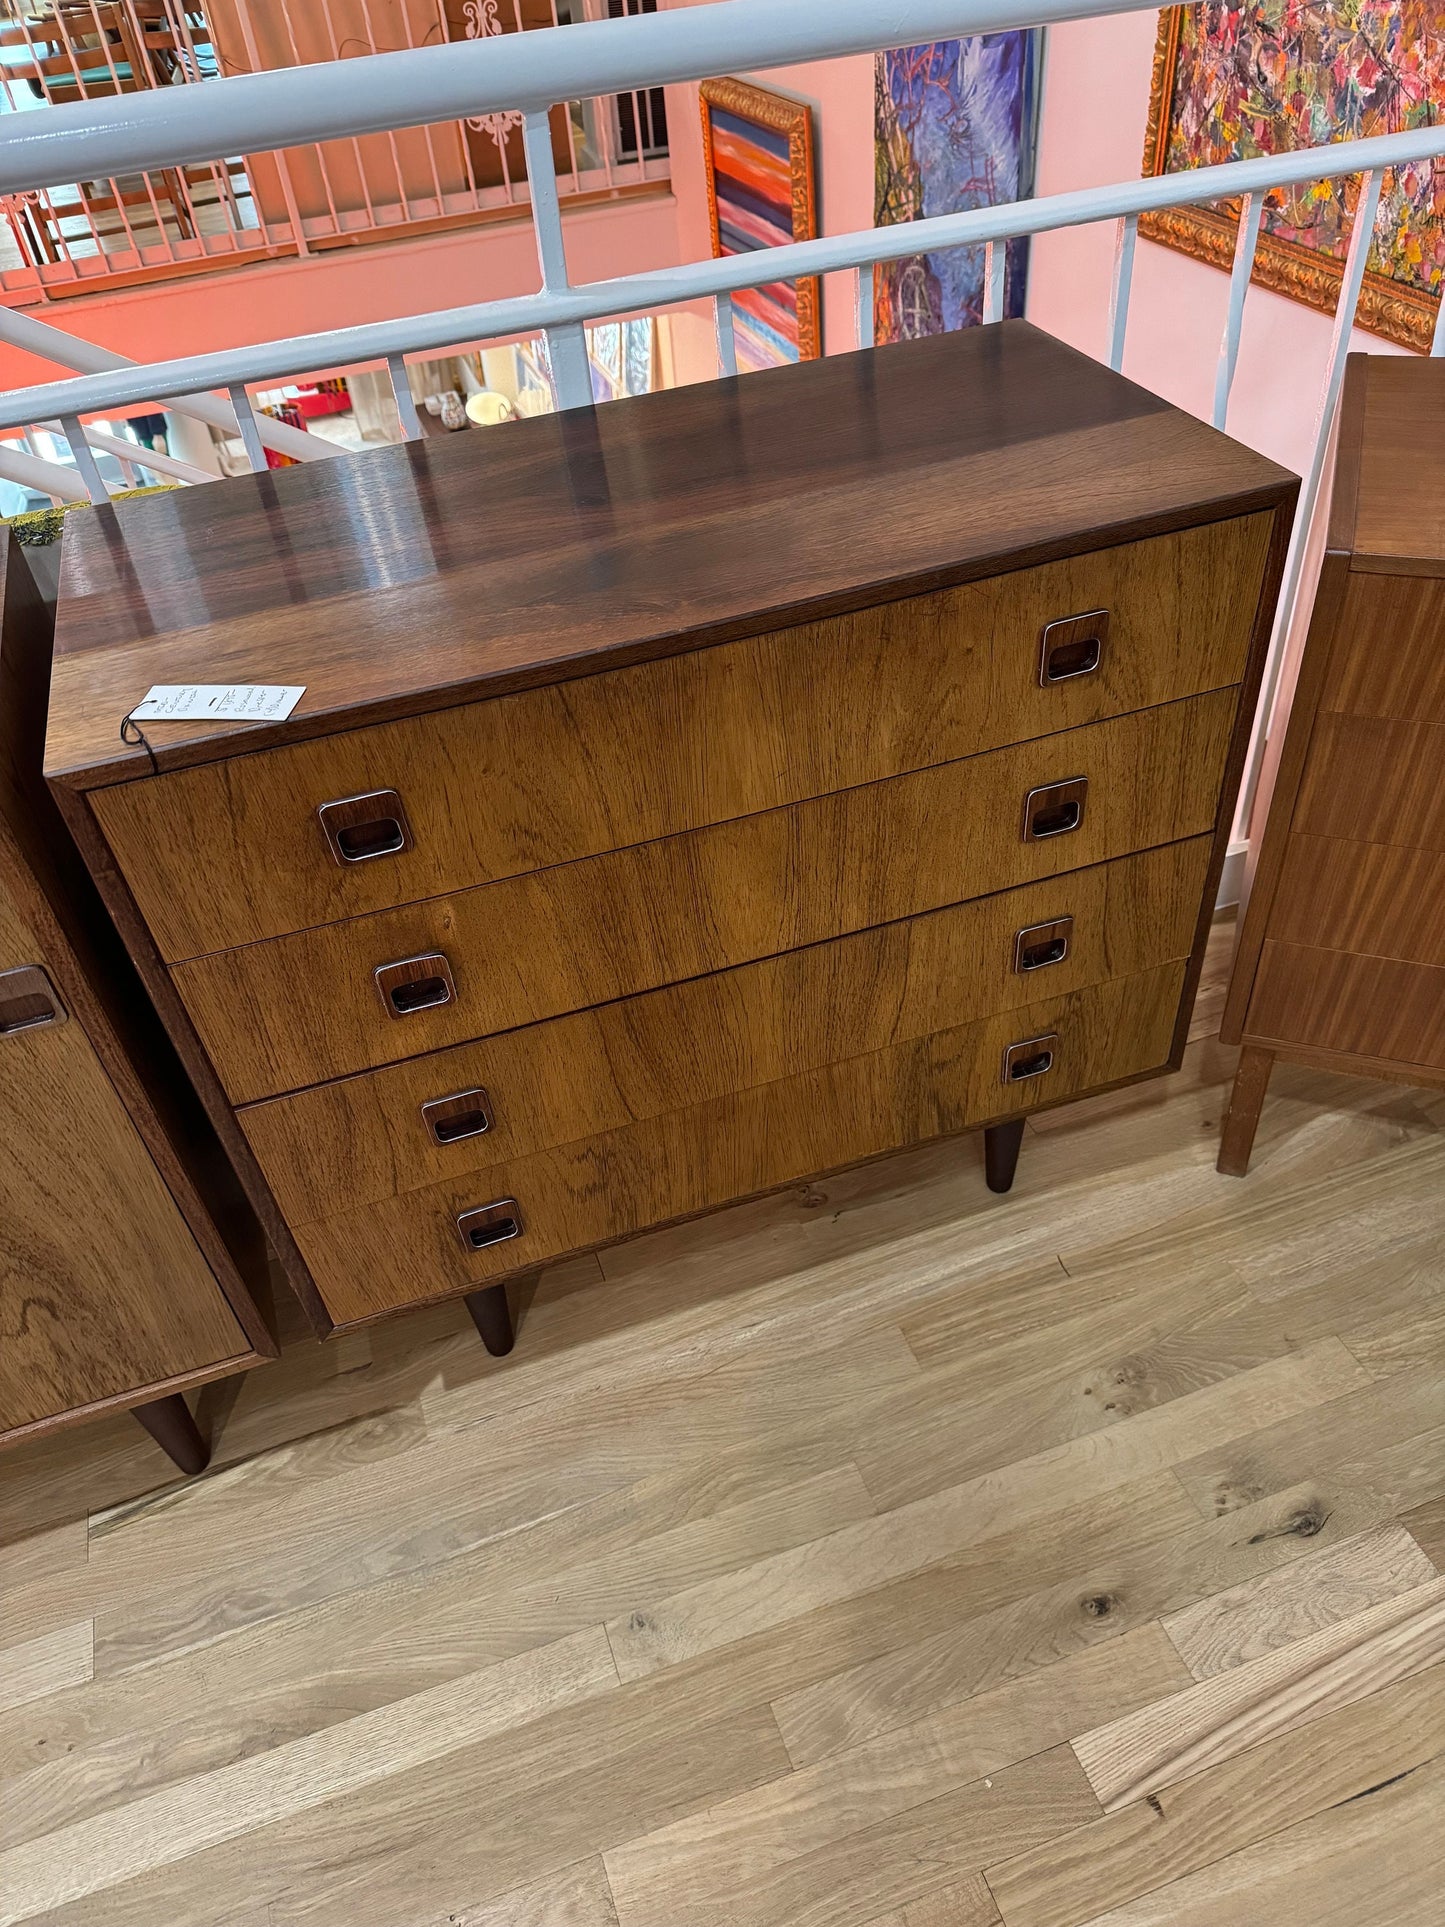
[408, 1249]
[1376, 899]
[1388, 658]
[1366, 1006]
[103, 1290]
[296, 1010]
[235, 852]
[462, 1111]
[1374, 782]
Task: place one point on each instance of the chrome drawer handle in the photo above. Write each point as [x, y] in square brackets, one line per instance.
[359, 828]
[1072, 646]
[1054, 809]
[490, 1224]
[1032, 1057]
[28, 1000]
[415, 984]
[1041, 944]
[464, 1114]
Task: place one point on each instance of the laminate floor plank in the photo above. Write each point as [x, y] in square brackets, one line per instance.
[690, 1868]
[1376, 1859]
[1148, 1844]
[1146, 1751]
[46, 1665]
[883, 1491]
[1276, 1608]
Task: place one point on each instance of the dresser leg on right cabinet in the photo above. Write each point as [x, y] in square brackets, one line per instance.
[169, 1422]
[1241, 1120]
[1001, 1153]
[493, 1319]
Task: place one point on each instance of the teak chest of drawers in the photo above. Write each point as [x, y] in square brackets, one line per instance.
[123, 1245]
[690, 796]
[1341, 958]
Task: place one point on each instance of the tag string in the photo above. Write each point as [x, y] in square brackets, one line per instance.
[132, 734]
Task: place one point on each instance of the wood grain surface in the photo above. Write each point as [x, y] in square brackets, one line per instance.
[1399, 506]
[289, 1012]
[345, 1678]
[1378, 899]
[407, 1249]
[233, 852]
[1363, 1006]
[1387, 662]
[827, 486]
[362, 1139]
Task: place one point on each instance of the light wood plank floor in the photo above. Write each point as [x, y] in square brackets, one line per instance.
[885, 1554]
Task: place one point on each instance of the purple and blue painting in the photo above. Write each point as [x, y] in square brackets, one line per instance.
[954, 130]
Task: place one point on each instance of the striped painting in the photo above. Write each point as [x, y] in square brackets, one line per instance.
[759, 150]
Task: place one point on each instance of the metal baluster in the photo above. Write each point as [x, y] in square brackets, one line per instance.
[1362, 234]
[863, 298]
[85, 466]
[727, 344]
[995, 267]
[1123, 278]
[405, 405]
[566, 340]
[1250, 210]
[246, 422]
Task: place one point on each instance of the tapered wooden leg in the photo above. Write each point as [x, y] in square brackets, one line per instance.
[1241, 1120]
[1001, 1153]
[169, 1422]
[493, 1319]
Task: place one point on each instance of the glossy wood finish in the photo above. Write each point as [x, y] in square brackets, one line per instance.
[577, 1196]
[116, 1284]
[169, 1422]
[1358, 1006]
[654, 782]
[614, 534]
[296, 1010]
[232, 852]
[1342, 951]
[362, 1139]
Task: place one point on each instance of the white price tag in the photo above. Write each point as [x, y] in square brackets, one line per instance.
[205, 702]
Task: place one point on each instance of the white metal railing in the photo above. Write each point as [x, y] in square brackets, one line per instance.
[103, 229]
[527, 74]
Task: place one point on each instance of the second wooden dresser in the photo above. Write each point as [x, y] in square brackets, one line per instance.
[689, 796]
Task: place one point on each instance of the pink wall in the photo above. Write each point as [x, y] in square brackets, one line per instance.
[344, 286]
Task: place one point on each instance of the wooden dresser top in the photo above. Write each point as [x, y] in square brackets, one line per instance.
[1389, 501]
[409, 578]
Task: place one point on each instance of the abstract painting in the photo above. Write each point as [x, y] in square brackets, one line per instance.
[760, 194]
[1233, 83]
[954, 130]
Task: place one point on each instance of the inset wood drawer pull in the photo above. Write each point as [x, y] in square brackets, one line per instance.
[490, 1224]
[463, 1114]
[1030, 1058]
[1042, 944]
[415, 984]
[1055, 809]
[359, 828]
[28, 1000]
[1073, 646]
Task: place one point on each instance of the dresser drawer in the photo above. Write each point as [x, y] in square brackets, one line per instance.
[291, 1012]
[1387, 660]
[1375, 1007]
[242, 850]
[1376, 899]
[408, 1249]
[457, 1111]
[1374, 782]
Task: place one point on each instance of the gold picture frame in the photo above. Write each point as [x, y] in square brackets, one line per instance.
[1401, 314]
[792, 120]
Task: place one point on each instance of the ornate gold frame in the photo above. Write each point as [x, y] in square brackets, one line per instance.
[782, 116]
[1403, 315]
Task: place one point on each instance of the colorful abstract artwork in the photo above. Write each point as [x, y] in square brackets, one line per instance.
[1232, 83]
[954, 130]
[760, 193]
